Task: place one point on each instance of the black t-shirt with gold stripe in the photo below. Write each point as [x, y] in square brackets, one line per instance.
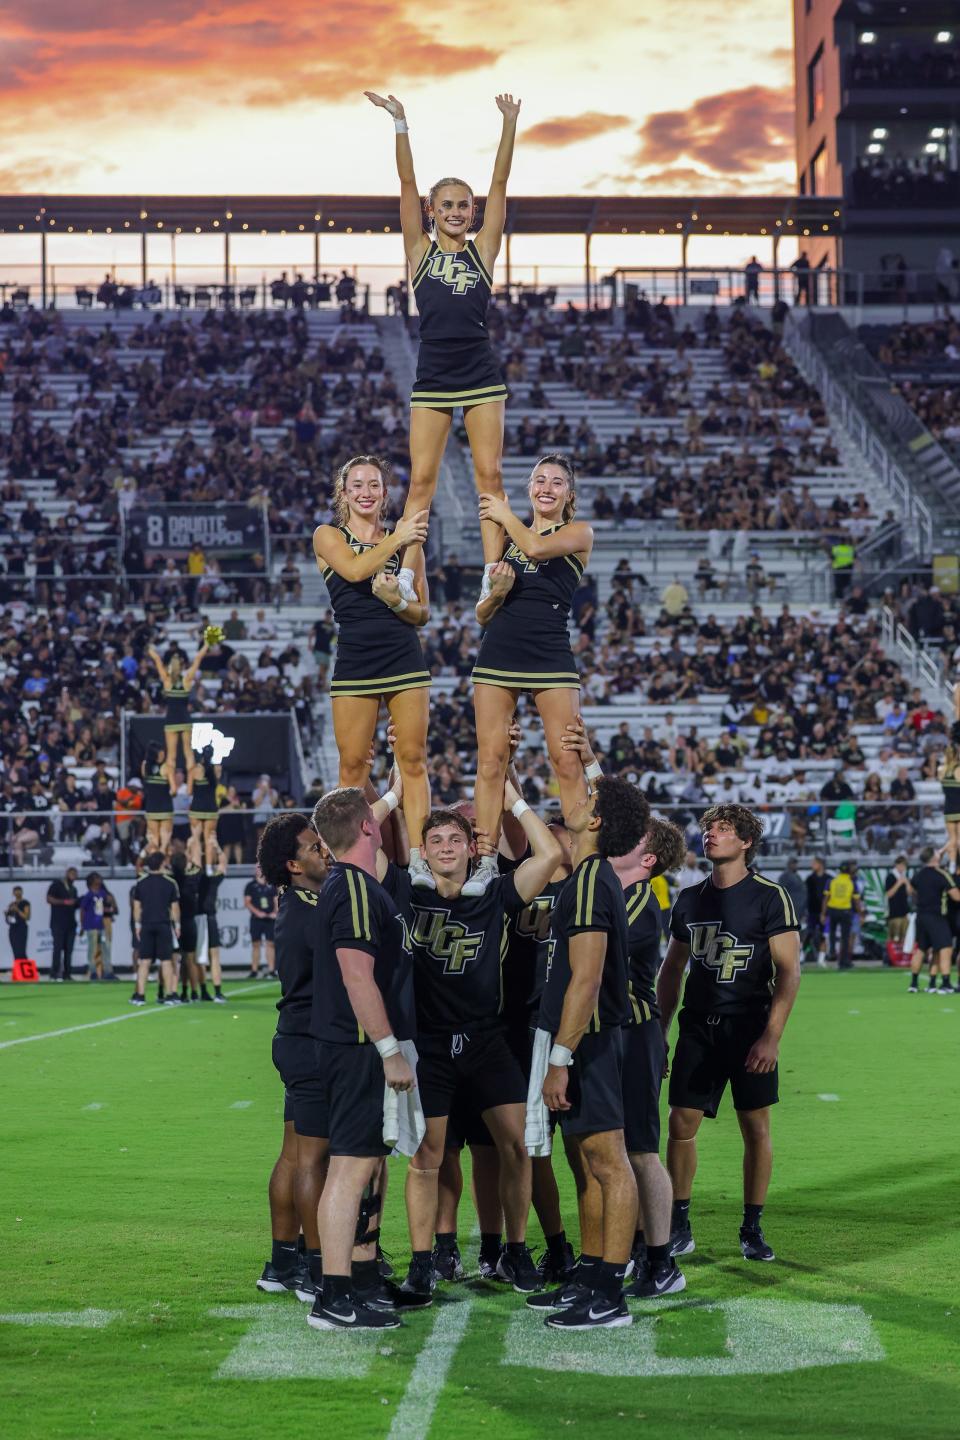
[729, 930]
[643, 921]
[294, 943]
[356, 913]
[592, 899]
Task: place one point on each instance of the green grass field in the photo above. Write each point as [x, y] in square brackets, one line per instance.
[133, 1187]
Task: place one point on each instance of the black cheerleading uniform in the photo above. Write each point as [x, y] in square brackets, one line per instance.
[203, 800]
[157, 800]
[177, 716]
[951, 791]
[456, 364]
[377, 653]
[526, 645]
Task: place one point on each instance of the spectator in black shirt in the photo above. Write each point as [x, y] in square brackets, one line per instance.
[836, 789]
[63, 900]
[17, 915]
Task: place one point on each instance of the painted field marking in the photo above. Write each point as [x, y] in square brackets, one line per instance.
[280, 1345]
[71, 1319]
[413, 1415]
[110, 1020]
[241, 1105]
[94, 1105]
[764, 1337]
[828, 1097]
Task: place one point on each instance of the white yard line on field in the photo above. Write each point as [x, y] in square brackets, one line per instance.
[429, 1375]
[113, 1020]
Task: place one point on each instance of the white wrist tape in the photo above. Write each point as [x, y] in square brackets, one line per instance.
[400, 126]
[485, 582]
[404, 605]
[594, 770]
[518, 808]
[407, 582]
[560, 1055]
[388, 1046]
[391, 799]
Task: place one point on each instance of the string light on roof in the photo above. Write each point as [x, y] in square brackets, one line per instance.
[229, 214]
[143, 214]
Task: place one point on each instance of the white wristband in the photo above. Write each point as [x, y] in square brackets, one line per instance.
[400, 126]
[404, 604]
[388, 1046]
[391, 799]
[594, 770]
[518, 808]
[560, 1055]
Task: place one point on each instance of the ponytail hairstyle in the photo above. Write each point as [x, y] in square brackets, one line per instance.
[450, 180]
[564, 463]
[341, 509]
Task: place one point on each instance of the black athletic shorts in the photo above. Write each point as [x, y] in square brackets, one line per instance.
[595, 1085]
[481, 1063]
[465, 1124]
[156, 942]
[710, 1054]
[260, 929]
[934, 932]
[353, 1076]
[188, 934]
[213, 933]
[643, 1052]
[305, 1097]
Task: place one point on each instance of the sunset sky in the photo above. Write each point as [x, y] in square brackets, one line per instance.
[234, 96]
[238, 95]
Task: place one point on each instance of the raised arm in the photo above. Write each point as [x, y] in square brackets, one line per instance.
[191, 673]
[490, 238]
[331, 549]
[415, 242]
[162, 670]
[534, 873]
[574, 538]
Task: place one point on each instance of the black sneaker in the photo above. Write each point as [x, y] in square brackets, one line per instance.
[753, 1245]
[556, 1271]
[487, 1268]
[306, 1289]
[173, 1000]
[639, 1258]
[136, 999]
[416, 1291]
[562, 1298]
[380, 1294]
[205, 994]
[184, 997]
[276, 1282]
[349, 1314]
[447, 1262]
[252, 975]
[160, 997]
[219, 999]
[194, 997]
[519, 1271]
[913, 988]
[594, 1313]
[682, 1241]
[383, 1263]
[650, 1284]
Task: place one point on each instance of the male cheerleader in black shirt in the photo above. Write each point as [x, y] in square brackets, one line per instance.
[290, 859]
[155, 901]
[459, 944]
[361, 1009]
[585, 1005]
[740, 934]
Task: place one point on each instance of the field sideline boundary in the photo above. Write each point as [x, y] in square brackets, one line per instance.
[111, 1020]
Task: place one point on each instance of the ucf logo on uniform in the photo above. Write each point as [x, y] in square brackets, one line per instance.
[535, 919]
[445, 939]
[719, 951]
[453, 272]
[515, 553]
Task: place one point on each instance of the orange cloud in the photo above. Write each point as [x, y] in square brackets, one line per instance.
[571, 129]
[736, 131]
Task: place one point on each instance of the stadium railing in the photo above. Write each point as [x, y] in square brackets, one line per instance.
[102, 840]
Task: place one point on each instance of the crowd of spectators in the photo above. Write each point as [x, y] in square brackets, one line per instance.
[920, 181]
[923, 358]
[894, 65]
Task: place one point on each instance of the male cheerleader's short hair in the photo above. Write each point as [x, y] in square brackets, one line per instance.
[666, 841]
[436, 818]
[745, 824]
[624, 813]
[338, 817]
[564, 463]
[278, 845]
[340, 507]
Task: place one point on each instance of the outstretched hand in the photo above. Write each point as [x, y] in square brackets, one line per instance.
[508, 107]
[390, 103]
[575, 737]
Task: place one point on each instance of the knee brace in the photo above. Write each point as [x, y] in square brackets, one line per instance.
[369, 1207]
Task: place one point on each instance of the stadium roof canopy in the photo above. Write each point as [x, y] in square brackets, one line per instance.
[379, 214]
